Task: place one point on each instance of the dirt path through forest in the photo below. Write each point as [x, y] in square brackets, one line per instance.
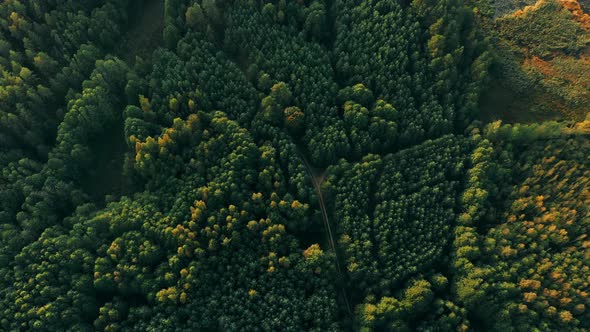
[317, 178]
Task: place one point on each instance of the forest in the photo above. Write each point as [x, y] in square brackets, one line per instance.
[282, 165]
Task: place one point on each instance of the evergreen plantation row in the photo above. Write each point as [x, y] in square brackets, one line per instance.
[171, 193]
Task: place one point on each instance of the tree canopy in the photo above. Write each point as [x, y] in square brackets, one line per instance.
[283, 165]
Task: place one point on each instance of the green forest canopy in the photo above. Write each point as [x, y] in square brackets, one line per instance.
[218, 165]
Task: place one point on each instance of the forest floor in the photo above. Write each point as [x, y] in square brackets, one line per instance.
[500, 103]
[106, 175]
[145, 33]
[142, 38]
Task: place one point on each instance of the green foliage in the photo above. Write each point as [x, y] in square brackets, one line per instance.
[546, 30]
[381, 44]
[195, 18]
[282, 166]
[162, 247]
[539, 63]
[43, 58]
[503, 7]
[520, 250]
[401, 206]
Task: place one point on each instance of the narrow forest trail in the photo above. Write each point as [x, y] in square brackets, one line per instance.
[318, 178]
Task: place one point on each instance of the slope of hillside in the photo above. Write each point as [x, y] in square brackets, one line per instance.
[543, 57]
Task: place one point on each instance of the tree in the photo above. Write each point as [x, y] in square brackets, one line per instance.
[195, 18]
